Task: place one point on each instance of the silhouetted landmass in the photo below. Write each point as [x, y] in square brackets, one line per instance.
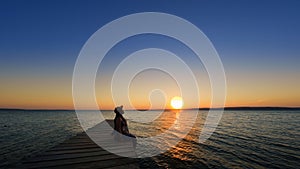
[235, 108]
[256, 108]
[12, 109]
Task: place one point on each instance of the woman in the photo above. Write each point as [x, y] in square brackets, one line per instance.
[120, 124]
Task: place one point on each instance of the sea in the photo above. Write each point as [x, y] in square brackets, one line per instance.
[242, 139]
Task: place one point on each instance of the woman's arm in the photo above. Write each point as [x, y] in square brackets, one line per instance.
[124, 126]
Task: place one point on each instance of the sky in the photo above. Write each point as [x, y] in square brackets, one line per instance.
[257, 41]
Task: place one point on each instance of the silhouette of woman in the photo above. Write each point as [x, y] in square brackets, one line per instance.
[120, 123]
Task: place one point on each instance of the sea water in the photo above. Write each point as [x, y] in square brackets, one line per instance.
[243, 139]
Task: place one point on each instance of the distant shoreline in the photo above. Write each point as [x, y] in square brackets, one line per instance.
[225, 108]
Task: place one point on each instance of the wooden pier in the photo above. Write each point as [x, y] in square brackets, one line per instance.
[81, 151]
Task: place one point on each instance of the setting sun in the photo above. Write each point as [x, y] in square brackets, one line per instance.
[177, 102]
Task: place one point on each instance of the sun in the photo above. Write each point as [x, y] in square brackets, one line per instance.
[177, 102]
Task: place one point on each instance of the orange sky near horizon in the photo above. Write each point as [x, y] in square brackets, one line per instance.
[242, 90]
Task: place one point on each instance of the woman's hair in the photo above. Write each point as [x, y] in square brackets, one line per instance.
[117, 112]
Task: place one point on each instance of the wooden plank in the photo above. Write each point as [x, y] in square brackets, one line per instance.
[67, 156]
[71, 156]
[71, 151]
[78, 161]
[122, 163]
[79, 151]
[74, 147]
[78, 147]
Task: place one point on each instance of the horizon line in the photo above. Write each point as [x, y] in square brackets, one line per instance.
[168, 109]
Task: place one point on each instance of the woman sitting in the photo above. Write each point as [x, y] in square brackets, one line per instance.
[120, 124]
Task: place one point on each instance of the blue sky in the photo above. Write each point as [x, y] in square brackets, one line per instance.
[42, 39]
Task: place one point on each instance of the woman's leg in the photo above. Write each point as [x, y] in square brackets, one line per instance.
[134, 139]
